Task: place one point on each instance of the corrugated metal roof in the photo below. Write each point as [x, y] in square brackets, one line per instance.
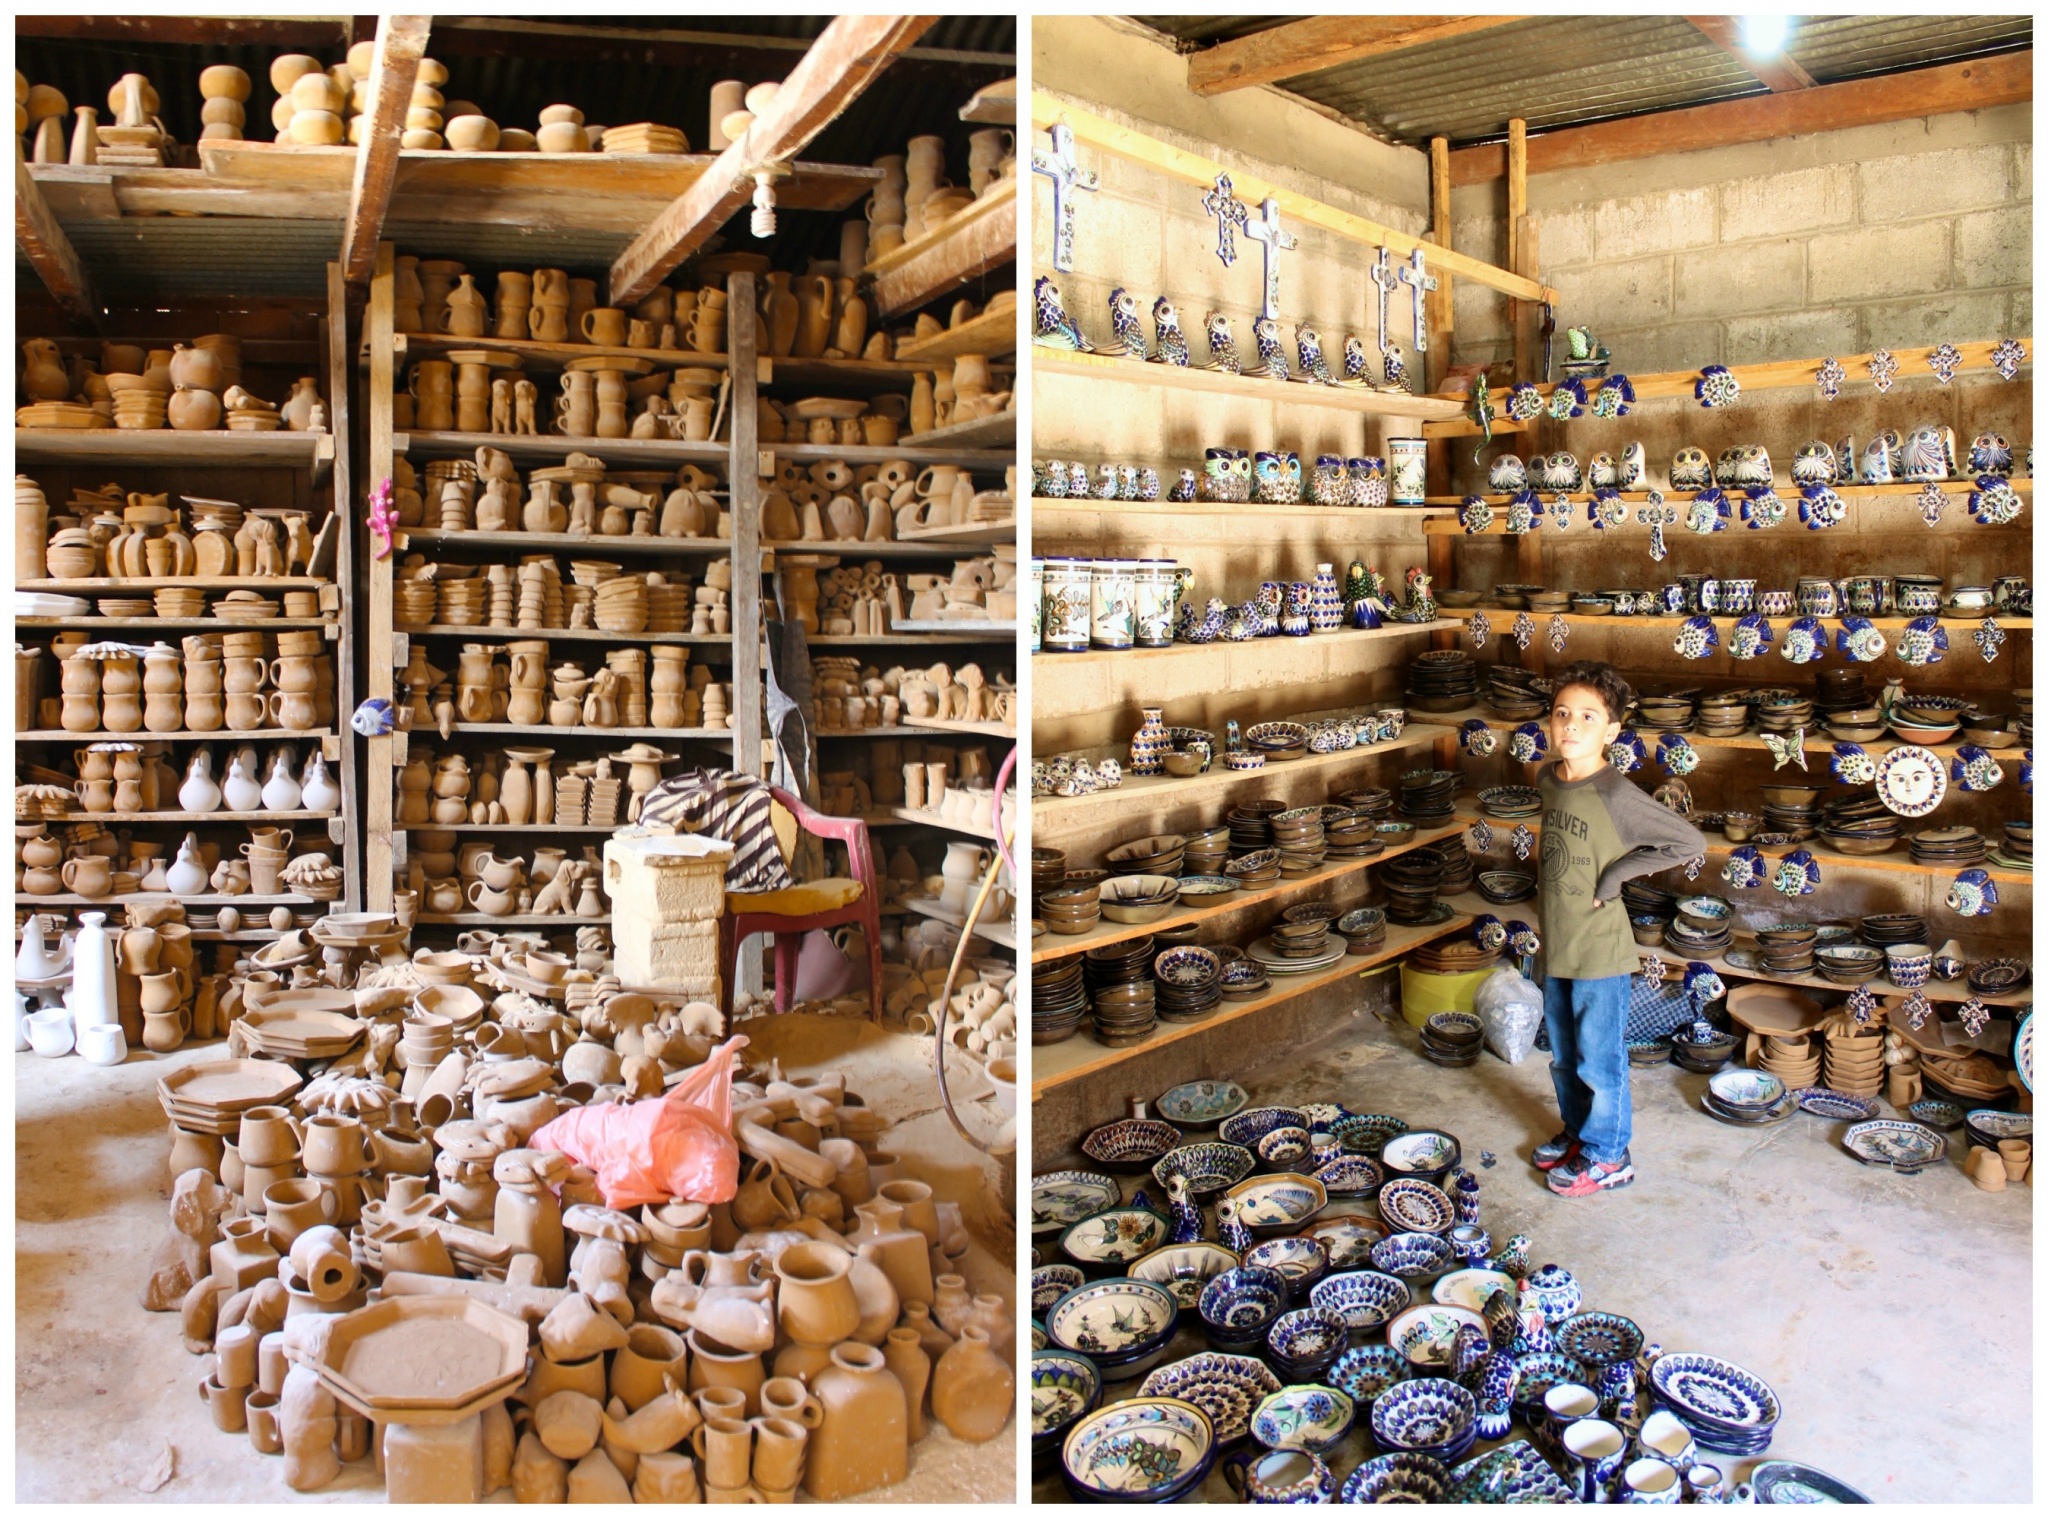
[141, 259]
[1571, 70]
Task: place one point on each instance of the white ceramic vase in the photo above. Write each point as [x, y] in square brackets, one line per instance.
[240, 790]
[200, 793]
[186, 877]
[93, 998]
[317, 791]
[281, 791]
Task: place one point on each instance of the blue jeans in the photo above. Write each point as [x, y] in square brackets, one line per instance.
[1589, 1061]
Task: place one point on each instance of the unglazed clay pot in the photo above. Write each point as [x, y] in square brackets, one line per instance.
[815, 1300]
[973, 1388]
[864, 1440]
[913, 1368]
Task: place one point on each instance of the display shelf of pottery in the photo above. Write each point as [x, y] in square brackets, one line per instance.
[190, 389]
[967, 329]
[517, 786]
[132, 137]
[512, 687]
[138, 782]
[247, 682]
[821, 1299]
[833, 502]
[478, 884]
[596, 596]
[578, 498]
[853, 696]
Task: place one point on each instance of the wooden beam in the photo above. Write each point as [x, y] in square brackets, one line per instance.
[340, 354]
[1776, 71]
[1176, 163]
[41, 239]
[1317, 43]
[311, 33]
[2007, 79]
[744, 493]
[1528, 314]
[381, 756]
[401, 43]
[1518, 186]
[847, 57]
[1439, 303]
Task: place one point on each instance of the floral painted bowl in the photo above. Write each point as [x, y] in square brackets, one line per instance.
[1538, 1372]
[1367, 1371]
[1426, 1334]
[1304, 1418]
[1283, 1149]
[1367, 1133]
[1471, 1287]
[1201, 1104]
[1416, 1207]
[1064, 1386]
[1599, 1340]
[1349, 1176]
[1248, 1127]
[1184, 1270]
[1225, 1387]
[1429, 1415]
[1059, 1198]
[1303, 1344]
[1104, 1242]
[1130, 1144]
[1121, 1325]
[1348, 1237]
[1238, 1306]
[1303, 1261]
[1400, 1478]
[1051, 1283]
[1425, 1154]
[1277, 1204]
[1363, 1299]
[1745, 1088]
[1206, 1168]
[1142, 1450]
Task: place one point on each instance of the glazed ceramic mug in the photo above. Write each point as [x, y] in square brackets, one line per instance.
[1594, 1450]
[1666, 1438]
[1650, 1480]
[1564, 1405]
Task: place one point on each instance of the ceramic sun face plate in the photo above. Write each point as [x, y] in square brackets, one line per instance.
[1911, 780]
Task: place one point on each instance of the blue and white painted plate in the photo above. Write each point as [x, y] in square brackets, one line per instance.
[1199, 1104]
[1896, 1143]
[1060, 1198]
[1824, 1103]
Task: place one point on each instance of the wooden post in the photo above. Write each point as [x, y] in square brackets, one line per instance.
[340, 356]
[1528, 314]
[1518, 184]
[41, 239]
[1440, 298]
[384, 754]
[743, 484]
[401, 42]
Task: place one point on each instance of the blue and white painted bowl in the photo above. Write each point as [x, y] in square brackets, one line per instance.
[1142, 1450]
[1051, 1283]
[1279, 1203]
[1248, 1127]
[1471, 1287]
[1237, 1306]
[1307, 1338]
[1416, 1207]
[1428, 1414]
[1059, 1198]
[1064, 1386]
[1207, 1168]
[1400, 1478]
[1184, 1270]
[1304, 1418]
[1201, 1104]
[1225, 1387]
[1413, 1257]
[1348, 1237]
[1367, 1371]
[1426, 1154]
[1363, 1299]
[1426, 1335]
[1121, 1325]
[1745, 1088]
[1367, 1133]
[1104, 1241]
[1304, 1262]
[1599, 1340]
[1349, 1176]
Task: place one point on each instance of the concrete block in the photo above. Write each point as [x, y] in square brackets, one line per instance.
[1644, 224]
[2022, 312]
[682, 958]
[1929, 184]
[1564, 239]
[1723, 281]
[1995, 247]
[1634, 294]
[1479, 314]
[1117, 237]
[1774, 204]
[1789, 335]
[1937, 318]
[1652, 350]
[1876, 262]
[2023, 171]
[667, 879]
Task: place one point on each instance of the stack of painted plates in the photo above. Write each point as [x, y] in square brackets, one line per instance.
[1450, 1039]
[1515, 694]
[1371, 802]
[1665, 714]
[1860, 824]
[1987, 1126]
[1787, 948]
[1259, 868]
[1849, 964]
[1187, 984]
[2017, 850]
[1748, 1097]
[1427, 795]
[1364, 929]
[1511, 801]
[1204, 853]
[1298, 833]
[1158, 855]
[1059, 1000]
[1289, 959]
[1458, 865]
[1994, 978]
[1953, 847]
[1411, 881]
[1277, 741]
[1350, 837]
[1726, 1408]
[1443, 680]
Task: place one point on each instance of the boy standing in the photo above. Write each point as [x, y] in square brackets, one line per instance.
[1599, 830]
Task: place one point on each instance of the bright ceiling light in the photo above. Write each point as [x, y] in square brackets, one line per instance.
[1763, 35]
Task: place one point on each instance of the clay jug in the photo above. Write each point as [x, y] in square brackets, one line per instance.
[815, 1300]
[44, 377]
[910, 1366]
[995, 1318]
[863, 1441]
[317, 790]
[241, 791]
[297, 412]
[408, 295]
[778, 314]
[902, 1253]
[187, 877]
[651, 1352]
[467, 313]
[876, 1294]
[765, 1199]
[195, 368]
[814, 316]
[973, 1388]
[575, 410]
[852, 329]
[923, 407]
[723, 1296]
[281, 791]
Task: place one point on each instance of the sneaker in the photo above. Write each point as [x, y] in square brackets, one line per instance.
[1586, 1177]
[1553, 1153]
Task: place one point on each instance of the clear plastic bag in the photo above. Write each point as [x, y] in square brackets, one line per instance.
[677, 1145]
[1510, 1006]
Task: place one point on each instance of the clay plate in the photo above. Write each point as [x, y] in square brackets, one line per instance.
[305, 1035]
[229, 1085]
[425, 1352]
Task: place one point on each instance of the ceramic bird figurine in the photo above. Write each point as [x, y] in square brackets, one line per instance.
[1397, 371]
[1314, 369]
[1354, 364]
[1054, 328]
[1187, 1218]
[1123, 319]
[1172, 347]
[1222, 346]
[1272, 357]
[1230, 1233]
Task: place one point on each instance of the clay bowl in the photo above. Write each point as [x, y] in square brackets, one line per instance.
[443, 968]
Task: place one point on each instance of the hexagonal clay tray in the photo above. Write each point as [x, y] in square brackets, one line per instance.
[425, 1353]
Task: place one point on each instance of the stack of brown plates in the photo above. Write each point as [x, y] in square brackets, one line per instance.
[1158, 855]
[1371, 802]
[1853, 1065]
[1354, 837]
[125, 606]
[1792, 1059]
[1849, 964]
[1672, 713]
[1059, 1000]
[1856, 725]
[1780, 711]
[1411, 881]
[1125, 1014]
[1298, 834]
[1070, 909]
[668, 608]
[1459, 866]
[1300, 941]
[1456, 956]
[179, 601]
[1722, 715]
[1251, 825]
[1502, 887]
[1882, 928]
[1516, 694]
[1188, 984]
[1974, 1077]
[1955, 846]
[1788, 948]
[1860, 824]
[1543, 603]
[1364, 929]
[1426, 795]
[1048, 873]
[1443, 680]
[1139, 899]
[1205, 853]
[2017, 852]
[1259, 868]
[211, 1096]
[1839, 690]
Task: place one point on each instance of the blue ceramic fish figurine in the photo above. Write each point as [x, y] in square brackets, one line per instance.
[1172, 347]
[1123, 319]
[1231, 1234]
[1187, 1218]
[1272, 357]
[1222, 345]
[1309, 347]
[1053, 327]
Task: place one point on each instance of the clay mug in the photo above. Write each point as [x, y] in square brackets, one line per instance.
[936, 482]
[162, 991]
[651, 1352]
[778, 1453]
[268, 1137]
[290, 1208]
[234, 1350]
[707, 329]
[227, 1405]
[726, 1447]
[880, 432]
[717, 1367]
[333, 1145]
[605, 326]
[90, 875]
[95, 796]
[788, 1399]
[296, 710]
[970, 374]
[263, 1431]
[430, 377]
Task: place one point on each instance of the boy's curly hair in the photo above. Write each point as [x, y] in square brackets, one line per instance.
[1615, 693]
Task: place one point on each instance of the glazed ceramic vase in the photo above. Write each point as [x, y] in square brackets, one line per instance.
[1150, 743]
[863, 1441]
[93, 998]
[973, 1388]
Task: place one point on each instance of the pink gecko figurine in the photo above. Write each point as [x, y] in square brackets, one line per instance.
[383, 516]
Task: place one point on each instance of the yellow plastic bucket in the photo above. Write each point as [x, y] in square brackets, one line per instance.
[1424, 994]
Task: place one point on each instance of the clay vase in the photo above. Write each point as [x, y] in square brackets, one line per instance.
[923, 406]
[954, 1305]
[651, 1352]
[814, 316]
[815, 1301]
[721, 1296]
[44, 377]
[973, 1388]
[852, 329]
[765, 1199]
[910, 1366]
[467, 313]
[863, 1441]
[297, 413]
[779, 314]
[902, 1253]
[876, 1295]
[408, 295]
[196, 368]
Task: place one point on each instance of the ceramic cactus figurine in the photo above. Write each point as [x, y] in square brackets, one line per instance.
[1172, 347]
[1053, 327]
[1272, 357]
[1222, 346]
[1314, 369]
[1123, 320]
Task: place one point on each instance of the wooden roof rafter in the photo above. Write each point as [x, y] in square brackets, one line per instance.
[1317, 43]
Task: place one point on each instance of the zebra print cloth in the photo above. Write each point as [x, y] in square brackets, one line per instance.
[728, 806]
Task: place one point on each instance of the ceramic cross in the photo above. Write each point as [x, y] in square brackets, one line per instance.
[1067, 176]
[1231, 216]
[1383, 275]
[1264, 229]
[1413, 274]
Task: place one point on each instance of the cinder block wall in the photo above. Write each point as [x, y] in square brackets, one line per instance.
[1899, 235]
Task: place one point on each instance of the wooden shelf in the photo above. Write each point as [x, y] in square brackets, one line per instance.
[167, 624]
[1725, 620]
[978, 238]
[1183, 509]
[1819, 745]
[909, 634]
[1795, 373]
[218, 736]
[933, 820]
[1934, 991]
[560, 635]
[991, 461]
[1312, 640]
[606, 828]
[515, 730]
[911, 729]
[1147, 791]
[552, 448]
[414, 345]
[1859, 492]
[603, 543]
[191, 819]
[143, 898]
[992, 333]
[1052, 946]
[961, 725]
[997, 430]
[996, 932]
[181, 582]
[166, 446]
[508, 920]
[1355, 399]
[1072, 1059]
[963, 534]
[925, 543]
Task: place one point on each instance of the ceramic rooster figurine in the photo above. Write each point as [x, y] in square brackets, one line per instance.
[1272, 357]
[1172, 348]
[1053, 327]
[1123, 320]
[1222, 346]
[1315, 370]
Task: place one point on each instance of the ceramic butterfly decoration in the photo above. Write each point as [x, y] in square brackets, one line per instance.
[1745, 868]
[1973, 894]
[1860, 639]
[1527, 743]
[1676, 755]
[1476, 738]
[1626, 753]
[1750, 636]
[1786, 748]
[1852, 765]
[1974, 768]
[1797, 875]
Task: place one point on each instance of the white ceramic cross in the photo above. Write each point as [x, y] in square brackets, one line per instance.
[1223, 204]
[1265, 230]
[1412, 274]
[1383, 275]
[1067, 176]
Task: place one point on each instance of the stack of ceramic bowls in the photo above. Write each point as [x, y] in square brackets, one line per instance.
[1138, 899]
[1443, 680]
[1422, 1154]
[1726, 1408]
[1791, 1058]
[1158, 855]
[1301, 1346]
[1065, 1387]
[1722, 715]
[1070, 909]
[1503, 887]
[1187, 983]
[1121, 992]
[1302, 1260]
[138, 403]
[1305, 939]
[1515, 694]
[1411, 881]
[1059, 1000]
[1860, 824]
[1298, 834]
[1701, 1048]
[2016, 852]
[1459, 868]
[1241, 980]
[1995, 978]
[1426, 795]
[1048, 873]
[1782, 711]
[1426, 1416]
[1261, 867]
[1510, 802]
[1853, 1064]
[1238, 1306]
[1842, 690]
[1152, 1450]
[1206, 852]
[1749, 1097]
[1954, 847]
[1856, 725]
[1452, 1039]
[1787, 948]
[1665, 714]
[1251, 825]
[425, 1042]
[1792, 810]
[1349, 835]
[1277, 741]
[1703, 926]
[1364, 929]
[1369, 802]
[1848, 964]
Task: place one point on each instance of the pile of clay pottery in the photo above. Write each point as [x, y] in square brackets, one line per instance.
[225, 90]
[734, 107]
[39, 113]
[137, 137]
[314, 101]
[816, 314]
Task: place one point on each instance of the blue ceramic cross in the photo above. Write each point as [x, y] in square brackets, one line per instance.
[1383, 275]
[1067, 176]
[1230, 213]
[1265, 229]
[1412, 274]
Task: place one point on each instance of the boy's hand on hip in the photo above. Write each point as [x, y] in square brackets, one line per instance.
[1598, 903]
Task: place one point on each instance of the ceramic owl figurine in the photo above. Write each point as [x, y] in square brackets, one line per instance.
[1272, 357]
[1123, 319]
[1053, 327]
[1171, 347]
[1222, 346]
[1309, 347]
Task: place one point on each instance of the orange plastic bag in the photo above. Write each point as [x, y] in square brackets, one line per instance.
[677, 1145]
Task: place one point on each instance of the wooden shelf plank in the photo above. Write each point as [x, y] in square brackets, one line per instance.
[605, 828]
[933, 820]
[997, 430]
[170, 447]
[1072, 1059]
[1052, 946]
[1183, 509]
[962, 534]
[553, 448]
[165, 624]
[508, 920]
[961, 725]
[913, 547]
[1313, 640]
[995, 932]
[509, 730]
[149, 584]
[942, 630]
[217, 736]
[1370, 403]
[1451, 526]
[982, 460]
[1502, 498]
[980, 237]
[911, 729]
[607, 543]
[146, 898]
[993, 333]
[559, 635]
[190, 819]
[1817, 744]
[1934, 991]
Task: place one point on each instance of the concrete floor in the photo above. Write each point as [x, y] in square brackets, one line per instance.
[101, 1386]
[1850, 1290]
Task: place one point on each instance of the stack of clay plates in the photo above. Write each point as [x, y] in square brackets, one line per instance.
[211, 1096]
[179, 601]
[76, 414]
[1793, 1060]
[237, 605]
[423, 1360]
[668, 608]
[621, 604]
[461, 602]
[286, 1032]
[125, 606]
[1965, 1074]
[645, 137]
[1853, 1065]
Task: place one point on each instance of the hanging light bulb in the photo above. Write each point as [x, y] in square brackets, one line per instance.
[1763, 36]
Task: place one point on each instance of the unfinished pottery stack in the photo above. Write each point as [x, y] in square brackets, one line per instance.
[225, 91]
[135, 138]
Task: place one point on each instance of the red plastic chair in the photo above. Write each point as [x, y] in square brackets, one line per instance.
[734, 928]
